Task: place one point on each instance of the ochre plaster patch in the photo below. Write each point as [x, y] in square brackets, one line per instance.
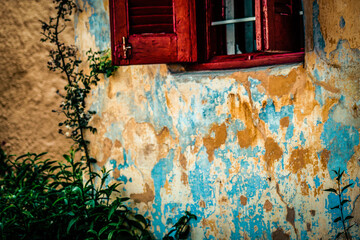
[268, 206]
[212, 143]
[272, 153]
[243, 200]
[284, 122]
[147, 196]
[330, 13]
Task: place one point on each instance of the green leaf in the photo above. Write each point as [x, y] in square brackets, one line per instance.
[347, 186]
[92, 231]
[350, 226]
[111, 234]
[340, 175]
[348, 218]
[71, 223]
[338, 235]
[136, 224]
[102, 230]
[67, 158]
[330, 190]
[335, 207]
[111, 211]
[141, 218]
[344, 201]
[337, 219]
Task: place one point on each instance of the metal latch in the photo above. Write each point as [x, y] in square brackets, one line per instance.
[123, 50]
[126, 48]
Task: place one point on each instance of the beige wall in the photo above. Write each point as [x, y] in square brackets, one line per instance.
[27, 87]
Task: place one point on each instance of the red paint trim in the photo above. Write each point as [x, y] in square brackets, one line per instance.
[149, 48]
[248, 60]
[258, 29]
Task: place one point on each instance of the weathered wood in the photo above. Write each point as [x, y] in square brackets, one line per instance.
[154, 35]
[247, 61]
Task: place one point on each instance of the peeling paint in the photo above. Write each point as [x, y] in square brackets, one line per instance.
[248, 151]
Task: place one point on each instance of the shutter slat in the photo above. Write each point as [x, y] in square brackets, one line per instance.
[144, 3]
[151, 28]
[151, 16]
[152, 10]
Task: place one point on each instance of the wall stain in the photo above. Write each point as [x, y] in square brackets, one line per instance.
[272, 153]
[183, 161]
[242, 110]
[147, 196]
[212, 143]
[268, 206]
[329, 103]
[279, 234]
[184, 178]
[308, 227]
[299, 158]
[243, 200]
[324, 158]
[304, 188]
[284, 122]
[313, 212]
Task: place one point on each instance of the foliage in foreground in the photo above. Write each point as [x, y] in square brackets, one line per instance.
[342, 201]
[44, 199]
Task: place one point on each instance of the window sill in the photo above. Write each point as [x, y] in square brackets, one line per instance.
[247, 61]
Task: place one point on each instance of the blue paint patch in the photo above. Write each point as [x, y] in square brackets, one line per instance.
[342, 22]
[234, 126]
[346, 55]
[98, 105]
[255, 94]
[202, 115]
[200, 181]
[302, 139]
[319, 42]
[156, 99]
[319, 95]
[290, 131]
[317, 75]
[317, 181]
[114, 132]
[99, 23]
[340, 141]
[159, 173]
[272, 118]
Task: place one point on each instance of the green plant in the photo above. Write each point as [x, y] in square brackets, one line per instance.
[44, 200]
[181, 227]
[342, 201]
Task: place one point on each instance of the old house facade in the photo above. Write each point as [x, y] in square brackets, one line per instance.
[249, 151]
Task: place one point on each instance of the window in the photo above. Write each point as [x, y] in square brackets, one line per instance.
[207, 34]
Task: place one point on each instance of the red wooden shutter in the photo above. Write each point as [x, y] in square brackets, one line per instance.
[152, 31]
[282, 30]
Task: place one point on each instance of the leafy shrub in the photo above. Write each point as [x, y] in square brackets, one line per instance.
[44, 200]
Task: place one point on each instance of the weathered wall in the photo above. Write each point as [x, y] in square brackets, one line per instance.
[248, 151]
[27, 87]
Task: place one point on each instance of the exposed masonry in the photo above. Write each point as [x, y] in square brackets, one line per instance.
[249, 151]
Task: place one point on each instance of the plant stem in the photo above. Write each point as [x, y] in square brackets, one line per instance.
[341, 211]
[68, 77]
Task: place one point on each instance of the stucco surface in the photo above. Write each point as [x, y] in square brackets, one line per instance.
[248, 151]
[27, 88]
